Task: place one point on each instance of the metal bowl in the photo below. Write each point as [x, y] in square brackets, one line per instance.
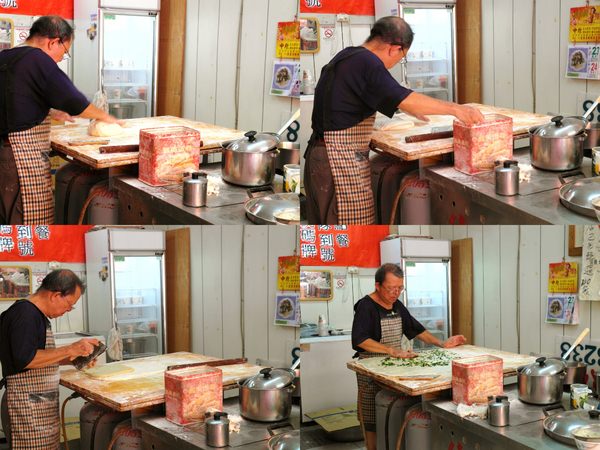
[579, 195]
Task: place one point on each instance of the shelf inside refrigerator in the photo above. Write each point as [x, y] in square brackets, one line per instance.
[426, 60]
[138, 355]
[431, 89]
[126, 100]
[135, 306]
[136, 320]
[125, 83]
[139, 335]
[426, 74]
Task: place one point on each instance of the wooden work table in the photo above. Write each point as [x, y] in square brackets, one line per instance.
[60, 136]
[145, 385]
[444, 380]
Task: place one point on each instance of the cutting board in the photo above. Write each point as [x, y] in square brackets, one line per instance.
[393, 142]
[436, 379]
[60, 136]
[145, 385]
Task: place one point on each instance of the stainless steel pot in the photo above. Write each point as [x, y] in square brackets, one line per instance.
[289, 153]
[267, 397]
[558, 145]
[575, 373]
[593, 136]
[541, 383]
[250, 161]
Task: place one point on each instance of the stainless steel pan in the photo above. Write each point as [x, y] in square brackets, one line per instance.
[578, 195]
[265, 210]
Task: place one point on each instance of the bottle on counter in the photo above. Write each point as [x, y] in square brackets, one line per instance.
[322, 328]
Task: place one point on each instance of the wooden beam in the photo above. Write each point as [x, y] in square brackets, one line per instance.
[462, 288]
[468, 42]
[171, 50]
[179, 307]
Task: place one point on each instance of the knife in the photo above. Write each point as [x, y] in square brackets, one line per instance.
[428, 136]
[119, 148]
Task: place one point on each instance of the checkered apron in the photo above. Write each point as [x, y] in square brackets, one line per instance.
[30, 149]
[32, 398]
[348, 153]
[391, 334]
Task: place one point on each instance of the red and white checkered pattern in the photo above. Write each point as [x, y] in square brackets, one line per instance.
[348, 153]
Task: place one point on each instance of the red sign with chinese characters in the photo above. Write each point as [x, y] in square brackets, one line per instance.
[341, 245]
[355, 7]
[60, 8]
[43, 243]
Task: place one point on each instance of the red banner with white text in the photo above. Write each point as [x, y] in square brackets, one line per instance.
[63, 8]
[341, 245]
[43, 243]
[354, 7]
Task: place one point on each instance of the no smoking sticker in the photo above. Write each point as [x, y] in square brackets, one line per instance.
[328, 32]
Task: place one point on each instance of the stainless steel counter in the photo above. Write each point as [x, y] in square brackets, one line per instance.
[160, 434]
[526, 431]
[457, 198]
[140, 203]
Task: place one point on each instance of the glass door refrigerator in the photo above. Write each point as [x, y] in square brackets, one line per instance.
[431, 60]
[116, 49]
[126, 288]
[426, 266]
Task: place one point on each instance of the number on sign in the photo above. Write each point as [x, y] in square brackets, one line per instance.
[564, 346]
[591, 350]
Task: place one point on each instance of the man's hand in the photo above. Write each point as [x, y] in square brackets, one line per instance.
[398, 353]
[468, 115]
[455, 341]
[61, 116]
[82, 347]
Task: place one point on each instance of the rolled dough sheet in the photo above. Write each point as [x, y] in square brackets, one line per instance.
[374, 364]
[109, 371]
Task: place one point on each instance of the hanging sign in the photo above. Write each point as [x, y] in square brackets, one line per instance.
[43, 243]
[584, 24]
[286, 79]
[36, 8]
[288, 40]
[341, 245]
[562, 277]
[583, 61]
[287, 309]
[355, 7]
[562, 309]
[288, 273]
[590, 264]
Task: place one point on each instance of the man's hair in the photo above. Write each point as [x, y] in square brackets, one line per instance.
[392, 29]
[63, 281]
[394, 269]
[51, 27]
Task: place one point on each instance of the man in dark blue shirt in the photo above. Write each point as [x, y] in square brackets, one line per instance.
[352, 88]
[380, 321]
[31, 84]
[30, 361]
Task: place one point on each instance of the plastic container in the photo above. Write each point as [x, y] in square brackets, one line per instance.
[475, 379]
[167, 153]
[477, 147]
[190, 392]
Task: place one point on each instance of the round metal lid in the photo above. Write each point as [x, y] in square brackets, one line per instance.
[560, 127]
[289, 440]
[561, 426]
[269, 378]
[254, 142]
[266, 210]
[544, 367]
[580, 195]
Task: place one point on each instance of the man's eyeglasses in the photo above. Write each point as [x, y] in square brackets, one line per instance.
[70, 306]
[403, 60]
[67, 55]
[395, 290]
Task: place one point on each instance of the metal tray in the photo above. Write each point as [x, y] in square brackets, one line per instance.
[262, 210]
[578, 195]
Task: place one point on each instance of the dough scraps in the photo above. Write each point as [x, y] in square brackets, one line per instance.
[104, 129]
[109, 371]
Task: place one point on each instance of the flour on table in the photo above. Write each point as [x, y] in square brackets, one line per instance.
[109, 371]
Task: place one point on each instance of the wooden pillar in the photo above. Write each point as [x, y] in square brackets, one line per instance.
[170, 57]
[468, 43]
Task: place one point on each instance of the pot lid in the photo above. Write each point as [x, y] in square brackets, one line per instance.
[269, 378]
[580, 195]
[560, 127]
[254, 142]
[561, 426]
[289, 440]
[544, 367]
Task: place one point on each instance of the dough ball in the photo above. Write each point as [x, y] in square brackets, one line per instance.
[104, 129]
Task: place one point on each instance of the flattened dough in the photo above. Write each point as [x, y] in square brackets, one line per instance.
[109, 371]
[104, 129]
[374, 364]
[396, 125]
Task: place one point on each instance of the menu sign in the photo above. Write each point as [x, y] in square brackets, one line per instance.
[562, 277]
[590, 271]
[288, 40]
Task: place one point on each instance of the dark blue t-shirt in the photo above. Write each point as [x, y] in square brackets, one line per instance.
[367, 321]
[22, 334]
[39, 84]
[362, 86]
